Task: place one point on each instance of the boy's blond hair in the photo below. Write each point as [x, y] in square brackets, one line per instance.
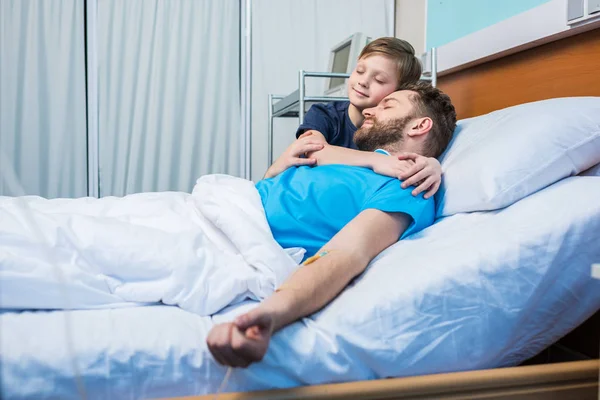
[400, 51]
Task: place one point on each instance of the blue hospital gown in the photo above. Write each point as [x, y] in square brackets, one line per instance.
[306, 206]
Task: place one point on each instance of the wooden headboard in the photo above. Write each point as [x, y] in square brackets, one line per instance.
[566, 67]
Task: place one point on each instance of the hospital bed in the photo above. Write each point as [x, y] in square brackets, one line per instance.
[452, 311]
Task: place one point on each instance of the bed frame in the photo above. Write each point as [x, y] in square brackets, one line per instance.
[573, 380]
[565, 67]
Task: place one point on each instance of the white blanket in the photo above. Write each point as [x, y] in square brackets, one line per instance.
[200, 251]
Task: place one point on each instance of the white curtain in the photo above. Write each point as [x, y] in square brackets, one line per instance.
[42, 98]
[289, 35]
[169, 93]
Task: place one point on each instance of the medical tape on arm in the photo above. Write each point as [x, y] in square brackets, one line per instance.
[308, 261]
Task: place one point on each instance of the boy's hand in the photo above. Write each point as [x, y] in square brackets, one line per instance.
[426, 174]
[305, 144]
[392, 166]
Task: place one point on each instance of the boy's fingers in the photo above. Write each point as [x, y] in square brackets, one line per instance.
[303, 161]
[423, 186]
[300, 147]
[413, 170]
[312, 142]
[408, 156]
[433, 190]
[414, 179]
[311, 147]
[305, 134]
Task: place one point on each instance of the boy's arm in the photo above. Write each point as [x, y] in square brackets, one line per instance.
[414, 169]
[309, 289]
[318, 117]
[341, 155]
[295, 155]
[330, 154]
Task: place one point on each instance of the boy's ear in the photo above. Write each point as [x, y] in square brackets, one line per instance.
[420, 126]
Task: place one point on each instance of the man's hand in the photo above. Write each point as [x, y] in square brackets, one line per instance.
[426, 173]
[242, 342]
[305, 144]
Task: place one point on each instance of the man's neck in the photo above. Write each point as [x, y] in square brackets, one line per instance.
[355, 115]
[396, 150]
[392, 151]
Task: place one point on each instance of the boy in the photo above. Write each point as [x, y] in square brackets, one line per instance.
[383, 66]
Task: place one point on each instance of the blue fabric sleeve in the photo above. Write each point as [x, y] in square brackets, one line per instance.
[392, 198]
[320, 117]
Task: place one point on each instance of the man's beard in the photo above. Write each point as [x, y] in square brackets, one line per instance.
[382, 135]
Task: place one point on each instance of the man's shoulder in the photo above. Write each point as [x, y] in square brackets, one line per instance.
[393, 186]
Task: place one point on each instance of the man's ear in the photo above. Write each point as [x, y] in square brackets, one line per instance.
[420, 126]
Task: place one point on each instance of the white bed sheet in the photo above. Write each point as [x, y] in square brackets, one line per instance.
[474, 291]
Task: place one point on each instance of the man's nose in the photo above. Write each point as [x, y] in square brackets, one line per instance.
[368, 112]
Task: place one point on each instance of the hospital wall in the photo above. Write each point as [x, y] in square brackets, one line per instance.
[287, 36]
[435, 23]
[410, 22]
[448, 20]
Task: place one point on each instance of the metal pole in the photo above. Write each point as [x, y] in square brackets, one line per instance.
[326, 74]
[270, 132]
[93, 155]
[246, 88]
[434, 66]
[301, 96]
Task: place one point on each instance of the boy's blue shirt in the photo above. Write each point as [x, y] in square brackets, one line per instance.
[333, 121]
[306, 206]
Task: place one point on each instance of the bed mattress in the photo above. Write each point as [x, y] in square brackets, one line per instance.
[473, 291]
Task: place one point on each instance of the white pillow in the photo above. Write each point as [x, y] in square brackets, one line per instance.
[499, 158]
[594, 171]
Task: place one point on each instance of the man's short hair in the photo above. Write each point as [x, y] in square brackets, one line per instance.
[400, 51]
[433, 103]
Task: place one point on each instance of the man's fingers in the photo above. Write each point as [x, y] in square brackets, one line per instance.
[218, 338]
[217, 355]
[222, 342]
[233, 358]
[414, 179]
[250, 350]
[252, 318]
[433, 190]
[254, 333]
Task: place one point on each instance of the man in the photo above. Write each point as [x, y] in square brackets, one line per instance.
[344, 215]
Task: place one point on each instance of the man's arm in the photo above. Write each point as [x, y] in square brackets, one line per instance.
[349, 252]
[309, 289]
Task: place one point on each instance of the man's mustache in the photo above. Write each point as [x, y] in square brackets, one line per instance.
[373, 120]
